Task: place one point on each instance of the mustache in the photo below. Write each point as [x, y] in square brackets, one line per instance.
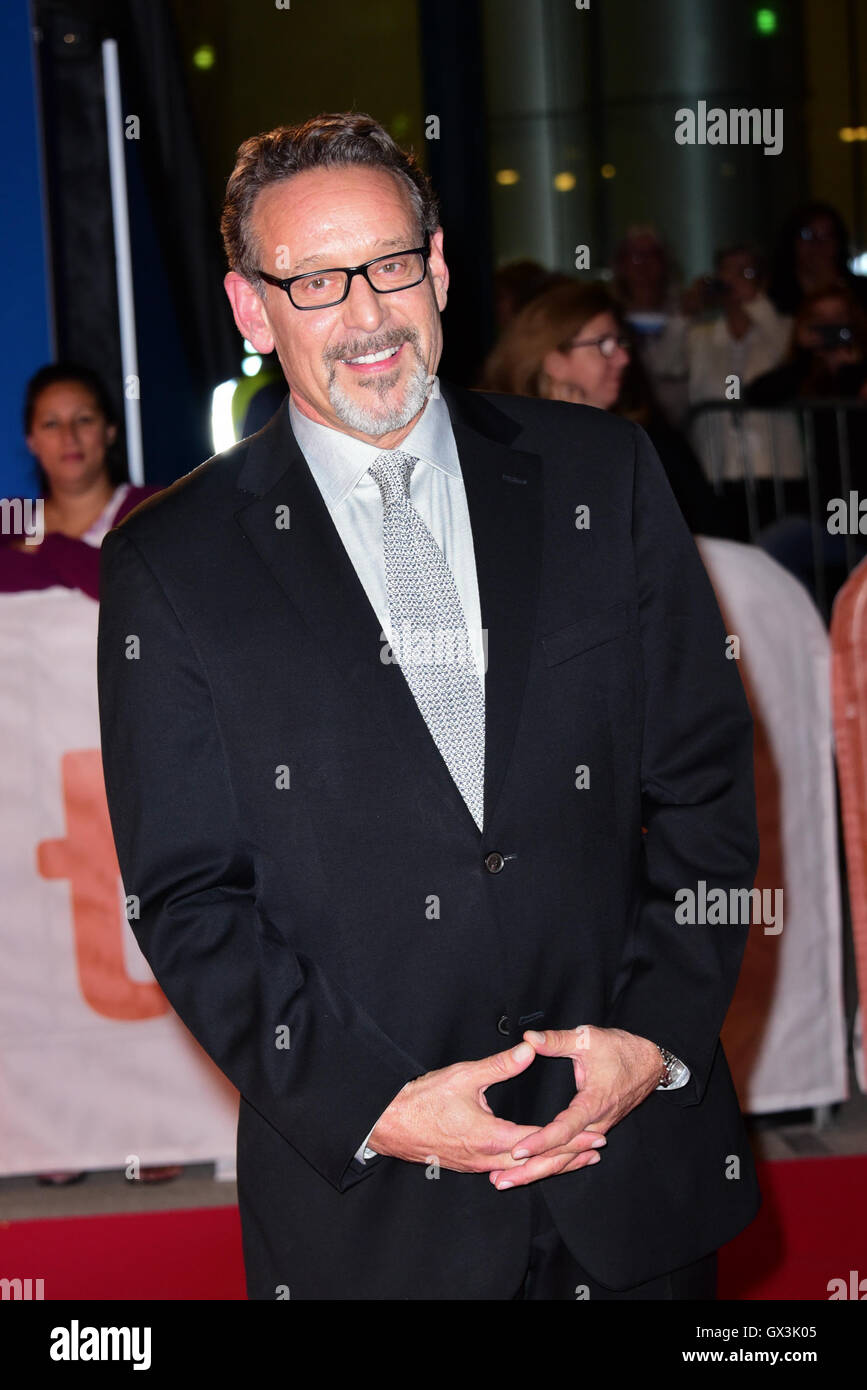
[357, 348]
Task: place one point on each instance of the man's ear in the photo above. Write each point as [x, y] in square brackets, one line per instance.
[438, 268]
[249, 312]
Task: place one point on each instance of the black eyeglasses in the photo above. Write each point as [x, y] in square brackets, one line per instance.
[322, 289]
[607, 345]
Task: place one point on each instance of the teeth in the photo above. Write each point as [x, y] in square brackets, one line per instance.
[373, 356]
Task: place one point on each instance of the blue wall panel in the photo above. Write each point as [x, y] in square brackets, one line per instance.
[25, 321]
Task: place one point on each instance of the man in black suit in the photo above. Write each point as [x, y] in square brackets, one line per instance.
[416, 717]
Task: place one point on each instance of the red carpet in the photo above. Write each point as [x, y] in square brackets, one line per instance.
[166, 1254]
[812, 1228]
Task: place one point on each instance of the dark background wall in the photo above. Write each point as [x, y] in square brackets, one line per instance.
[586, 99]
[27, 329]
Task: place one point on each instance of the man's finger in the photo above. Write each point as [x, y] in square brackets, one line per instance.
[558, 1042]
[545, 1165]
[504, 1137]
[567, 1128]
[503, 1162]
[492, 1149]
[501, 1065]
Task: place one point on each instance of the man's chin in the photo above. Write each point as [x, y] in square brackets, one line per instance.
[377, 407]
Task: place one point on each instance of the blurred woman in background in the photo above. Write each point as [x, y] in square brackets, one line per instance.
[71, 430]
[812, 256]
[571, 344]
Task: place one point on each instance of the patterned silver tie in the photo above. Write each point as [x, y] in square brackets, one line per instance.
[430, 641]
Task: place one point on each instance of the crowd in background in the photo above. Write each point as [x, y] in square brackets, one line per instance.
[718, 372]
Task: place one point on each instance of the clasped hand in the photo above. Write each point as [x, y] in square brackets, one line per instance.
[444, 1116]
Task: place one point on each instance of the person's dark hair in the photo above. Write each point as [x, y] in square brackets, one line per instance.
[816, 379]
[671, 270]
[740, 248]
[328, 141]
[516, 283]
[58, 373]
[784, 289]
[853, 313]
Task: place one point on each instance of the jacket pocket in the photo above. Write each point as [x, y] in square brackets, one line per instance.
[589, 632]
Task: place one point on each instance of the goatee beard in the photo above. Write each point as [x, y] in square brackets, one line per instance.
[368, 420]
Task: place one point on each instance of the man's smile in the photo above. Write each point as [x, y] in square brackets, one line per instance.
[373, 362]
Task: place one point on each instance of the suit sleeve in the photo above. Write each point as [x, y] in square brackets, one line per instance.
[299, 1049]
[698, 801]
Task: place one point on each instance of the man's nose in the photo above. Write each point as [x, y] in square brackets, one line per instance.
[362, 307]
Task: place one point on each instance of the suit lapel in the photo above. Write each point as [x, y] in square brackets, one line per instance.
[310, 563]
[504, 496]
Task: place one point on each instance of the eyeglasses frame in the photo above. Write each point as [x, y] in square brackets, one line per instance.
[350, 271]
[621, 340]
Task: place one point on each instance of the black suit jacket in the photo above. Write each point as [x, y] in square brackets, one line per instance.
[313, 893]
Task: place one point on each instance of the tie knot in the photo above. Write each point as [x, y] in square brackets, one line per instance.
[392, 472]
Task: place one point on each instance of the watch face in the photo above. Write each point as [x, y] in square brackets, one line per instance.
[674, 1072]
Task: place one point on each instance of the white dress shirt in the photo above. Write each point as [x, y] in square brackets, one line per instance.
[339, 464]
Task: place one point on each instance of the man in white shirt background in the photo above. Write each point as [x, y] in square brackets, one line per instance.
[745, 339]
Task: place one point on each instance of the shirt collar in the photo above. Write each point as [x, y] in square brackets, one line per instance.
[338, 461]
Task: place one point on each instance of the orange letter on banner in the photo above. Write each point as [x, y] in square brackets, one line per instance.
[88, 859]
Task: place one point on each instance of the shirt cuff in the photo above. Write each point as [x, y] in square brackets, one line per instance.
[364, 1152]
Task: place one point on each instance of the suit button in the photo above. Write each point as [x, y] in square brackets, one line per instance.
[504, 1024]
[494, 862]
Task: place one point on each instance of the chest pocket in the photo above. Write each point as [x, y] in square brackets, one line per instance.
[589, 632]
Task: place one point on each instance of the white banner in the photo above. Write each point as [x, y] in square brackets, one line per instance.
[785, 1034]
[96, 1071]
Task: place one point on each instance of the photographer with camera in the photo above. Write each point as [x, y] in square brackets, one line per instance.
[747, 338]
[827, 360]
[744, 340]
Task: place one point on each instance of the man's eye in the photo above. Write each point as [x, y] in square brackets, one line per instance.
[317, 283]
[391, 268]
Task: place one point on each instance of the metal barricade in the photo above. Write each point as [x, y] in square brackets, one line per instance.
[747, 445]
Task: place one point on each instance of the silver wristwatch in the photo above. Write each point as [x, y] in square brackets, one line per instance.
[675, 1070]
